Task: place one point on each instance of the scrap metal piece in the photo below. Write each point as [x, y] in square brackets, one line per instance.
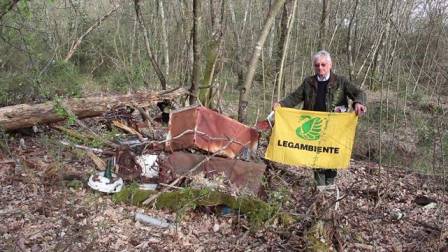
[208, 130]
[244, 175]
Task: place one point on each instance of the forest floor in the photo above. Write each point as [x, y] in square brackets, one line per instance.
[379, 209]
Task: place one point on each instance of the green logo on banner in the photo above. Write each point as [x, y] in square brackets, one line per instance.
[310, 128]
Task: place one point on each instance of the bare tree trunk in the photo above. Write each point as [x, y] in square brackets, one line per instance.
[165, 39]
[244, 92]
[425, 56]
[323, 25]
[133, 39]
[212, 54]
[379, 56]
[333, 34]
[155, 65]
[350, 41]
[271, 41]
[246, 13]
[280, 46]
[238, 65]
[281, 83]
[196, 51]
[91, 28]
[374, 51]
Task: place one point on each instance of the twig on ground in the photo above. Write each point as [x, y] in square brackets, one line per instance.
[83, 147]
[9, 161]
[171, 186]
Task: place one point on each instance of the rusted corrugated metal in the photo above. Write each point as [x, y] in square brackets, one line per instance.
[244, 175]
[208, 130]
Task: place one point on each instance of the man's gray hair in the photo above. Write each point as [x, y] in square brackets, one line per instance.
[321, 54]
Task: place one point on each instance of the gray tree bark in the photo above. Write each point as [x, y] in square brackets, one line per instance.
[24, 115]
[244, 92]
[323, 25]
[155, 65]
[196, 52]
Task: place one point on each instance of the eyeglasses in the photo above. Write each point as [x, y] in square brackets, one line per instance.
[321, 64]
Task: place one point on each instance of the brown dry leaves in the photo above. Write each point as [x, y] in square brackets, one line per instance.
[39, 212]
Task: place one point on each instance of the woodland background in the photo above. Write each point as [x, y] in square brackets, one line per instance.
[236, 57]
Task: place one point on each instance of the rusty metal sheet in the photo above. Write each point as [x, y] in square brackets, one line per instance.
[208, 130]
[244, 175]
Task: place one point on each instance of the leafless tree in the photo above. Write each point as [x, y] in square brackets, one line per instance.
[244, 92]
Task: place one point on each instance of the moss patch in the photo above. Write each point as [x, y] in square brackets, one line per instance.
[257, 211]
[132, 195]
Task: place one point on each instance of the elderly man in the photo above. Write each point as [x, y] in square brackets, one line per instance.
[325, 91]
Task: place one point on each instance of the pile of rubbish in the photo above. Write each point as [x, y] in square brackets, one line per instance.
[200, 145]
[201, 150]
[193, 148]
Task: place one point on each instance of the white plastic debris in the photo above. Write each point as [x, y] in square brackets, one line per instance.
[216, 227]
[271, 118]
[148, 187]
[100, 183]
[430, 205]
[22, 144]
[340, 109]
[150, 168]
[396, 214]
[146, 219]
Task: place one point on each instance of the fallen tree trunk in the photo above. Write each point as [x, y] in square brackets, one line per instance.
[25, 115]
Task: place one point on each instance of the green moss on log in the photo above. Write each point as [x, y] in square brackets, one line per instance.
[132, 195]
[257, 211]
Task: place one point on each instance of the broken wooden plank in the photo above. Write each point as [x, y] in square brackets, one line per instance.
[25, 115]
[100, 164]
[128, 129]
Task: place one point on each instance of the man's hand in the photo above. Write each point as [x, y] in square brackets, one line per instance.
[360, 109]
[276, 105]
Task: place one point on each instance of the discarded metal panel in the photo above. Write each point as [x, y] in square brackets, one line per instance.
[244, 175]
[210, 131]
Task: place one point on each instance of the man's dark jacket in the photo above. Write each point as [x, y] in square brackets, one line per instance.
[339, 89]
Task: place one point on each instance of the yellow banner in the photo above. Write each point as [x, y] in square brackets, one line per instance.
[312, 139]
